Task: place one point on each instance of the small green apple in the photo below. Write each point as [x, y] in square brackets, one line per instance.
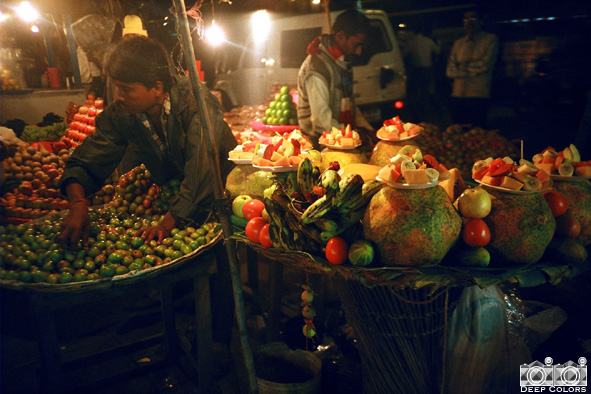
[474, 203]
[238, 203]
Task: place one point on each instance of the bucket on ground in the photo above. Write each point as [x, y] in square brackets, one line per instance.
[281, 370]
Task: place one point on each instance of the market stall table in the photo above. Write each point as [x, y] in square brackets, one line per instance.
[46, 300]
[400, 314]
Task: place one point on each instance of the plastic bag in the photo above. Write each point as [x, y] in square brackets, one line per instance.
[490, 334]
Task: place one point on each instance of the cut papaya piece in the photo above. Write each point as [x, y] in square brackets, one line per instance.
[276, 156]
[295, 160]
[584, 171]
[264, 162]
[282, 162]
[510, 183]
[543, 176]
[558, 161]
[490, 180]
[548, 167]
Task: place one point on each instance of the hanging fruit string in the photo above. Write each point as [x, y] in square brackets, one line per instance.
[308, 312]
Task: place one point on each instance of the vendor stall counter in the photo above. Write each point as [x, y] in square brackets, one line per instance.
[46, 301]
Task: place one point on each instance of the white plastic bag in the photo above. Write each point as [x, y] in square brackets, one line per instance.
[486, 342]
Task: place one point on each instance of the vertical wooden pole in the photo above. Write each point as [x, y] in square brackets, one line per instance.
[218, 189]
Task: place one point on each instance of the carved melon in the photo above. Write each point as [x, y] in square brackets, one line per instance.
[412, 227]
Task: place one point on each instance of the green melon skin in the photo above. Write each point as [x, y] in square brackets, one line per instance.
[344, 157]
[578, 197]
[245, 179]
[521, 227]
[384, 151]
[412, 227]
[361, 253]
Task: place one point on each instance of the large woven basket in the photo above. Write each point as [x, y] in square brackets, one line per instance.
[400, 335]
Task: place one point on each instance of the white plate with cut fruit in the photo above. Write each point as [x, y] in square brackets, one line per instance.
[276, 168]
[241, 161]
[511, 191]
[385, 138]
[504, 174]
[564, 165]
[396, 130]
[399, 185]
[342, 139]
[340, 147]
[409, 169]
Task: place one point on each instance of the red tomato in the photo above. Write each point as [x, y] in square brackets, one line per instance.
[265, 237]
[556, 202]
[476, 233]
[336, 250]
[568, 226]
[253, 228]
[253, 208]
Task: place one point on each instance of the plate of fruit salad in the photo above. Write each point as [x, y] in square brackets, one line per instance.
[283, 156]
[243, 153]
[396, 130]
[343, 139]
[564, 165]
[509, 176]
[410, 169]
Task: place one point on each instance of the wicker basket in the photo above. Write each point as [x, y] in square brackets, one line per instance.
[400, 335]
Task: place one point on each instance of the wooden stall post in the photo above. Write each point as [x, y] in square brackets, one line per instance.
[219, 195]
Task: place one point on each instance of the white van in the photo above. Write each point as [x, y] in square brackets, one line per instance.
[379, 75]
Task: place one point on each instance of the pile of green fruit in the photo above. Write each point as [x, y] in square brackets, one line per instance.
[282, 110]
[30, 253]
[136, 194]
[32, 133]
[460, 148]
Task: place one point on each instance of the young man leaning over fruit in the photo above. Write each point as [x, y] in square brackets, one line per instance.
[325, 79]
[155, 114]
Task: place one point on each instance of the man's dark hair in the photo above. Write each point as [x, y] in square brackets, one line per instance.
[352, 22]
[139, 59]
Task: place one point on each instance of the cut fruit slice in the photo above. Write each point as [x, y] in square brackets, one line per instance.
[490, 180]
[546, 167]
[510, 183]
[415, 176]
[282, 162]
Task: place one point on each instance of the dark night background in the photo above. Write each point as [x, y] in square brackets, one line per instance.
[541, 79]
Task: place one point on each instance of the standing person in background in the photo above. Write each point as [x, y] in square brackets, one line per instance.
[325, 79]
[470, 65]
[420, 53]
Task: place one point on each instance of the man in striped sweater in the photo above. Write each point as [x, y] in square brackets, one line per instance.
[325, 79]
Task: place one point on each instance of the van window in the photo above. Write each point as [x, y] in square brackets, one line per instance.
[294, 44]
[376, 42]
